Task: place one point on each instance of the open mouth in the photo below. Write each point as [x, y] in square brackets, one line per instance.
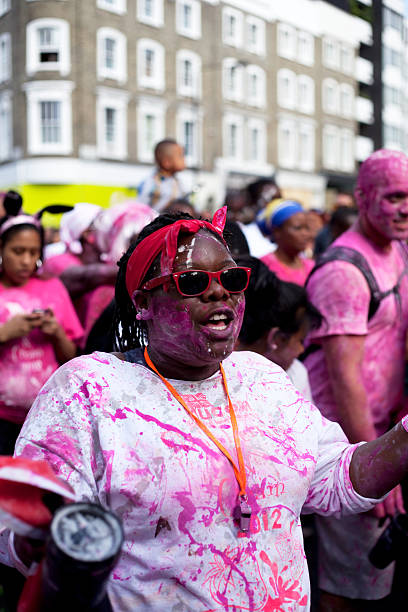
[219, 321]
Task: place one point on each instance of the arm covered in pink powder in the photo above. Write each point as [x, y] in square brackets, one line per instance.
[344, 356]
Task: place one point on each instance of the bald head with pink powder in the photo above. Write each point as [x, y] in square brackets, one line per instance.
[382, 192]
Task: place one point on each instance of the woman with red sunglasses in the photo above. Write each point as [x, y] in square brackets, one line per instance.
[207, 455]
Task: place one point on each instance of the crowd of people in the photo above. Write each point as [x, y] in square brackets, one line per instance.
[210, 379]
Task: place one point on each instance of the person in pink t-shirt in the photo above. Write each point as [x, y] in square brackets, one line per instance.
[357, 371]
[38, 324]
[286, 221]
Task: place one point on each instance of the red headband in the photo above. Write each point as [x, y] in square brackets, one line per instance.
[165, 240]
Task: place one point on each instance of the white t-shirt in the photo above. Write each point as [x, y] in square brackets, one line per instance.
[115, 433]
[157, 190]
[297, 373]
[258, 244]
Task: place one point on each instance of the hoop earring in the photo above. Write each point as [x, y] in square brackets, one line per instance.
[1, 260]
[38, 263]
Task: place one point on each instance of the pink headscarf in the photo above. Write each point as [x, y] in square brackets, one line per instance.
[384, 171]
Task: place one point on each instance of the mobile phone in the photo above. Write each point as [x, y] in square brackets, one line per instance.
[38, 311]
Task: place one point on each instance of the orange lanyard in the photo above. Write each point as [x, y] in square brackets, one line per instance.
[239, 472]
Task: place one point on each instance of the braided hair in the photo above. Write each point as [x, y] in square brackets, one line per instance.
[129, 332]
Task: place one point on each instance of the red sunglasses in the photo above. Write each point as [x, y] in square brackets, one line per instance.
[190, 283]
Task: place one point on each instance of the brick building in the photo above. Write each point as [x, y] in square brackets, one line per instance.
[250, 87]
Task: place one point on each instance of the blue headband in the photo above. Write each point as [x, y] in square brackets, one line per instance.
[267, 219]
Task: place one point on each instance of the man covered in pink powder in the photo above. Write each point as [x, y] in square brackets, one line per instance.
[356, 374]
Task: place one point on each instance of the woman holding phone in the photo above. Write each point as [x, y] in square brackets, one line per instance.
[38, 324]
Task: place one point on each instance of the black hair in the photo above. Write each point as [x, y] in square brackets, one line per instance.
[161, 147]
[341, 216]
[254, 189]
[12, 205]
[270, 302]
[235, 239]
[129, 332]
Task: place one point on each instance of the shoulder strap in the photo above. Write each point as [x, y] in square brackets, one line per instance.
[342, 253]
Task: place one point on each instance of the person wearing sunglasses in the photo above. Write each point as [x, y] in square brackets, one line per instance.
[207, 455]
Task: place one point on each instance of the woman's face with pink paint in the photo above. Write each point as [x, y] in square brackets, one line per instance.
[197, 331]
[388, 213]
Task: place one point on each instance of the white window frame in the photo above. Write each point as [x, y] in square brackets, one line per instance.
[306, 100]
[330, 101]
[230, 119]
[287, 158]
[331, 53]
[186, 114]
[119, 71]
[33, 63]
[193, 90]
[330, 147]
[5, 60]
[118, 6]
[237, 94]
[116, 99]
[257, 47]
[46, 91]
[286, 88]
[157, 80]
[260, 126]
[305, 48]
[6, 140]
[156, 108]
[236, 39]
[156, 19]
[306, 160]
[286, 41]
[346, 109]
[5, 6]
[347, 163]
[195, 30]
[347, 66]
[259, 99]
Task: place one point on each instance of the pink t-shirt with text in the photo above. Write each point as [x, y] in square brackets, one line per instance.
[339, 290]
[26, 363]
[289, 275]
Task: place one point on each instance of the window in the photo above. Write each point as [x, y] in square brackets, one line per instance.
[330, 96]
[233, 73]
[150, 67]
[256, 86]
[150, 12]
[114, 6]
[346, 100]
[188, 74]
[331, 57]
[306, 147]
[48, 46]
[393, 136]
[393, 19]
[346, 150]
[286, 90]
[347, 59]
[150, 127]
[305, 48]
[6, 126]
[331, 147]
[305, 94]
[256, 140]
[391, 57]
[392, 95]
[188, 124]
[188, 18]
[5, 57]
[111, 119]
[287, 143]
[112, 55]
[286, 41]
[49, 117]
[233, 137]
[5, 5]
[232, 25]
[255, 35]
[50, 121]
